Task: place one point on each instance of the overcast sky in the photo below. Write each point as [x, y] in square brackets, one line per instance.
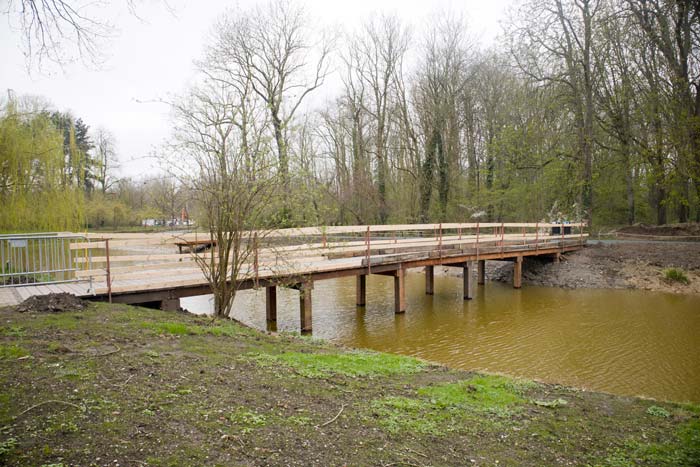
[152, 54]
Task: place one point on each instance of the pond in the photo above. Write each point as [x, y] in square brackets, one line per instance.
[626, 342]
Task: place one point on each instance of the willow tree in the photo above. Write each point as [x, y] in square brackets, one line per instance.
[32, 191]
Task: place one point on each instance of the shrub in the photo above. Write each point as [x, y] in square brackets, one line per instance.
[676, 275]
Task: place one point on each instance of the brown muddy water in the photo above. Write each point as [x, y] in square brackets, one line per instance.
[626, 342]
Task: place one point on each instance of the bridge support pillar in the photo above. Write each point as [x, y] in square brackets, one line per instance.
[170, 304]
[271, 303]
[400, 291]
[429, 280]
[517, 272]
[481, 272]
[468, 280]
[305, 306]
[361, 290]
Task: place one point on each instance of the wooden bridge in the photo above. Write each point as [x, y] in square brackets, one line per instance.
[151, 269]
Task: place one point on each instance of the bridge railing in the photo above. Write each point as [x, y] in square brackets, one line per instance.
[121, 259]
[35, 259]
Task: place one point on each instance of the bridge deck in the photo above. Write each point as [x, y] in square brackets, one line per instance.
[146, 268]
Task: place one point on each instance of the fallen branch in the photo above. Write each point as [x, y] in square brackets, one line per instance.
[47, 402]
[342, 407]
[125, 382]
[110, 352]
[416, 452]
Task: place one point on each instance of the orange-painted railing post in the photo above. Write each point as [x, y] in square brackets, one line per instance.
[109, 272]
[368, 251]
[255, 258]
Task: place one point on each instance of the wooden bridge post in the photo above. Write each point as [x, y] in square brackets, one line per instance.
[468, 281]
[361, 290]
[170, 304]
[305, 306]
[429, 280]
[271, 303]
[400, 291]
[517, 272]
[481, 272]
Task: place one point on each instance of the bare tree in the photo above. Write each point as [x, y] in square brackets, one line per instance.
[673, 28]
[60, 31]
[377, 52]
[165, 195]
[271, 48]
[442, 79]
[106, 161]
[235, 198]
[552, 43]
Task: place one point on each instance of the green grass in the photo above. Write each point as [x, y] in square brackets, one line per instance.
[178, 329]
[446, 408]
[686, 451]
[246, 421]
[676, 275]
[486, 393]
[657, 411]
[182, 329]
[353, 364]
[12, 352]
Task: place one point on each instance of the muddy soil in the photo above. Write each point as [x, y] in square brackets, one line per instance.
[688, 231]
[113, 386]
[617, 265]
[52, 303]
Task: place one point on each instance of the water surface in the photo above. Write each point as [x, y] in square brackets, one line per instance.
[627, 342]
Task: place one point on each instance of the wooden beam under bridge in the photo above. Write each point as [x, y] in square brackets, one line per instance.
[296, 260]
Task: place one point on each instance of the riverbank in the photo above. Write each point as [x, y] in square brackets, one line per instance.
[121, 386]
[616, 265]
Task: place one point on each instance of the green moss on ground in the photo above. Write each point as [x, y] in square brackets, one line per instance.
[151, 388]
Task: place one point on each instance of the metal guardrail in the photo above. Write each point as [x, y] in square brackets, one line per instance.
[35, 259]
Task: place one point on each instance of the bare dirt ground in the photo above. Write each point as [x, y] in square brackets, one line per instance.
[52, 303]
[637, 265]
[687, 231]
[112, 385]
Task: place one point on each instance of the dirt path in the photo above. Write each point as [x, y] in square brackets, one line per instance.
[638, 265]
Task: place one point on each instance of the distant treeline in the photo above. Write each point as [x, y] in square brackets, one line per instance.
[56, 175]
[585, 109]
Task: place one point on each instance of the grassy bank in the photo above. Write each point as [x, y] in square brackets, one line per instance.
[122, 386]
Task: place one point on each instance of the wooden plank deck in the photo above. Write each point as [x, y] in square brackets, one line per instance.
[159, 274]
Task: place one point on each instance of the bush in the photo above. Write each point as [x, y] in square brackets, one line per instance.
[676, 275]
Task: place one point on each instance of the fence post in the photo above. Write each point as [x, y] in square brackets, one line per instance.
[561, 228]
[477, 240]
[367, 254]
[502, 235]
[255, 260]
[109, 273]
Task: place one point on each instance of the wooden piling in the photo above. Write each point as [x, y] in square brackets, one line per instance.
[305, 306]
[271, 303]
[400, 291]
[468, 281]
[170, 304]
[517, 272]
[361, 290]
[481, 272]
[429, 280]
